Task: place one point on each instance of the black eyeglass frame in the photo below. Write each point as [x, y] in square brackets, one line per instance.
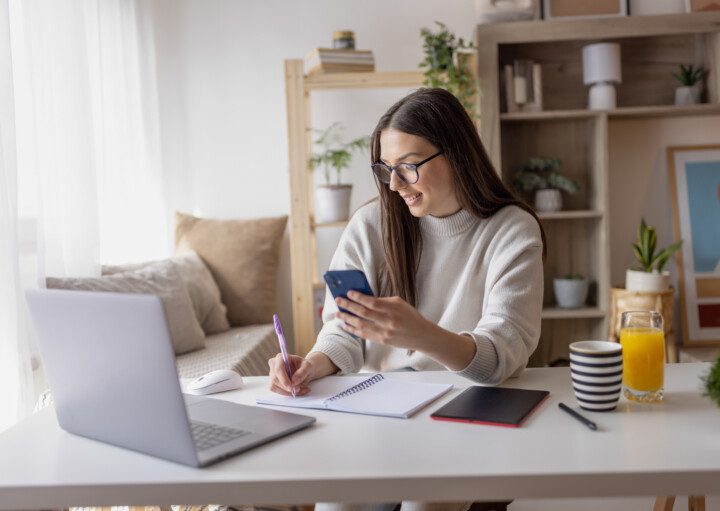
[392, 168]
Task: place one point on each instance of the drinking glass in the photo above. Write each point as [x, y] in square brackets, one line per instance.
[643, 343]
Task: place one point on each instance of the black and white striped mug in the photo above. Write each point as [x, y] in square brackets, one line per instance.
[596, 369]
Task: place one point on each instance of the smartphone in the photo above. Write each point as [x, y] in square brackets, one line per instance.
[342, 281]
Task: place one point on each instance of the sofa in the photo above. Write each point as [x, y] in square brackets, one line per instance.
[218, 291]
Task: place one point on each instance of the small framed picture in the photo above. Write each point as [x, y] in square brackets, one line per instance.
[702, 5]
[576, 9]
[694, 173]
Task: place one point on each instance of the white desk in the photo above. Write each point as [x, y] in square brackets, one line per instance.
[671, 448]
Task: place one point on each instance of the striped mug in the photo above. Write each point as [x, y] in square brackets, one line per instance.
[596, 369]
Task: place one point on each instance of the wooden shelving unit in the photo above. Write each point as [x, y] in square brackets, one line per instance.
[578, 237]
[303, 255]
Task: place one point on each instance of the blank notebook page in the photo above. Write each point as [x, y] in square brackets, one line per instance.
[391, 398]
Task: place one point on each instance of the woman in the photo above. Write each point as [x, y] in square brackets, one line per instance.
[457, 260]
[455, 256]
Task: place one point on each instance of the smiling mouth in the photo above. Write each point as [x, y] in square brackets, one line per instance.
[412, 199]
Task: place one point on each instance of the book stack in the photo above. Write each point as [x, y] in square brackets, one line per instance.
[328, 60]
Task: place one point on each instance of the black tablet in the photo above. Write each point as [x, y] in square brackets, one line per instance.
[497, 406]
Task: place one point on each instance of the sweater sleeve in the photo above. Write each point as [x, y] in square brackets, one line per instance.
[509, 329]
[357, 250]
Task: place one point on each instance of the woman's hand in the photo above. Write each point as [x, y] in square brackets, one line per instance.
[279, 380]
[304, 370]
[390, 321]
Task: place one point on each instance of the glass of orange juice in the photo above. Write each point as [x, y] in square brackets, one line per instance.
[643, 344]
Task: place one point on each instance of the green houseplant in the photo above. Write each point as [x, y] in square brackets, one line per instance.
[691, 79]
[447, 65]
[544, 177]
[650, 276]
[712, 382]
[332, 200]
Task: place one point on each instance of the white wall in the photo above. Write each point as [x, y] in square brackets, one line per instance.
[222, 95]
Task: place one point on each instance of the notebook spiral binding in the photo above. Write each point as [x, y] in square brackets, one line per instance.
[357, 388]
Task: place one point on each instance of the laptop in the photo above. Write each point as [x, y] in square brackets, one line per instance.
[110, 365]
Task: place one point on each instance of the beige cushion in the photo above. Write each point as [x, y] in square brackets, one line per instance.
[204, 292]
[164, 282]
[244, 349]
[243, 258]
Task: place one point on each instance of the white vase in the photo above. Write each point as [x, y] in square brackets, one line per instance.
[687, 95]
[637, 280]
[547, 200]
[498, 11]
[332, 203]
[570, 293]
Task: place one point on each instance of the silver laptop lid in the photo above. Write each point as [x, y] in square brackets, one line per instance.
[111, 367]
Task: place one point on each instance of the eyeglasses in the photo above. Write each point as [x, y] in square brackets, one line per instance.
[407, 172]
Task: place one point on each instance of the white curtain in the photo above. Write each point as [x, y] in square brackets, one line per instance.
[88, 172]
[15, 372]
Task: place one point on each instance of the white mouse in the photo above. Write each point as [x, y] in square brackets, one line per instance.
[215, 381]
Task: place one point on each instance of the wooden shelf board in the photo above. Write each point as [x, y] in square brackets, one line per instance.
[330, 224]
[570, 215]
[598, 28]
[622, 112]
[318, 285]
[363, 80]
[548, 115]
[584, 313]
[666, 111]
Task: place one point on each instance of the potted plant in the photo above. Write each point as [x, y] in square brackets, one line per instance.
[544, 177]
[447, 65]
[691, 79]
[650, 277]
[712, 382]
[570, 291]
[332, 200]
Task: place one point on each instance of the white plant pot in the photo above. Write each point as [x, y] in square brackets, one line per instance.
[636, 280]
[498, 11]
[547, 200]
[332, 203]
[687, 95]
[570, 293]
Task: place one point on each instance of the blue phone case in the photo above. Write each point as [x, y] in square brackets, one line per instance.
[342, 281]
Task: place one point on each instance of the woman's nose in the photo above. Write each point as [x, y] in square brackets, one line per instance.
[395, 182]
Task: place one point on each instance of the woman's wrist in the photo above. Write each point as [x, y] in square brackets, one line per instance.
[321, 365]
[452, 350]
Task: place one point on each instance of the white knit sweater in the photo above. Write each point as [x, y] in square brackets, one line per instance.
[478, 277]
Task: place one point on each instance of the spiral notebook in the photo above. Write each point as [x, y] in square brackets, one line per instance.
[377, 395]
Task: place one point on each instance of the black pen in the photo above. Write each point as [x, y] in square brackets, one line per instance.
[590, 424]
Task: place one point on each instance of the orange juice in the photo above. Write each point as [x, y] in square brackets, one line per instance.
[643, 358]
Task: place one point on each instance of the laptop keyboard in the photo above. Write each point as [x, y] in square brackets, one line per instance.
[209, 435]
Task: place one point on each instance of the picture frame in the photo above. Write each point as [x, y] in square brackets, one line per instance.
[694, 178]
[702, 5]
[578, 9]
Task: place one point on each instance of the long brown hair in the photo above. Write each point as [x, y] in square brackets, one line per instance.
[438, 117]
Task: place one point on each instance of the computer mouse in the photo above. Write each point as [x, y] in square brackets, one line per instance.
[215, 381]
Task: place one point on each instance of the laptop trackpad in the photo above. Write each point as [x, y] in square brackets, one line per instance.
[219, 412]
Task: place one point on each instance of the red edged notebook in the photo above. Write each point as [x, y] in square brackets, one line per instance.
[496, 406]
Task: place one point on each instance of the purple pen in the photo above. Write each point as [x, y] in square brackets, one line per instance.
[283, 350]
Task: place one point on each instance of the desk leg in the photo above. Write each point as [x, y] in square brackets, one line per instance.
[696, 503]
[664, 503]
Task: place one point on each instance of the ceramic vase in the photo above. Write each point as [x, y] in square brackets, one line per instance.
[570, 293]
[332, 203]
[687, 95]
[547, 200]
[638, 280]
